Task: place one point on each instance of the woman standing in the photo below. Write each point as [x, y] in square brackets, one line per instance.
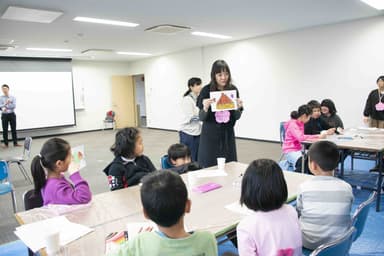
[191, 126]
[374, 107]
[217, 137]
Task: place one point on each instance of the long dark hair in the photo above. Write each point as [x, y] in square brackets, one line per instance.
[53, 150]
[330, 105]
[303, 110]
[191, 83]
[217, 67]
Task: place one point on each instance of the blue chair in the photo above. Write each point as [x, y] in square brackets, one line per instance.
[164, 162]
[339, 247]
[360, 215]
[15, 248]
[5, 184]
[282, 133]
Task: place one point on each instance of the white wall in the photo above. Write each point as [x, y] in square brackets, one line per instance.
[275, 74]
[95, 78]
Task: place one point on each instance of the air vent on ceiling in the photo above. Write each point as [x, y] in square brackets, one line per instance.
[167, 29]
[6, 47]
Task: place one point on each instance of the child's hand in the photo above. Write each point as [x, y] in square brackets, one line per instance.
[340, 130]
[331, 131]
[323, 135]
[207, 103]
[73, 167]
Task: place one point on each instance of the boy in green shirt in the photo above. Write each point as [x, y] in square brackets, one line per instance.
[165, 201]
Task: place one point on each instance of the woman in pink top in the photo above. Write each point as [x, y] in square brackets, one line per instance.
[273, 228]
[48, 167]
[294, 135]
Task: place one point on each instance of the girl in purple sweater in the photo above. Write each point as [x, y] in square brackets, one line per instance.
[48, 167]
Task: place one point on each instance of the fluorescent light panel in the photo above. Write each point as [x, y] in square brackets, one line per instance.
[30, 15]
[48, 49]
[107, 22]
[134, 53]
[199, 33]
[378, 4]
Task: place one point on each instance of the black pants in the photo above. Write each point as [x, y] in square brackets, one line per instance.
[11, 119]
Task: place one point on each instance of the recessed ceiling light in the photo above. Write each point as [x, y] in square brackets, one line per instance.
[107, 22]
[30, 15]
[378, 4]
[198, 33]
[48, 49]
[135, 53]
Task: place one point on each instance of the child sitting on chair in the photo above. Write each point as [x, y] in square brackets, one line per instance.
[179, 157]
[129, 165]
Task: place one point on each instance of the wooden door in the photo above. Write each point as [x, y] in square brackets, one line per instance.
[123, 101]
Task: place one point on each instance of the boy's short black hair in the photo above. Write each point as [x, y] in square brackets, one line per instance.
[164, 197]
[5, 86]
[125, 141]
[263, 187]
[178, 150]
[314, 104]
[325, 154]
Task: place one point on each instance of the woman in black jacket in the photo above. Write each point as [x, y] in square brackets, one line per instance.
[217, 137]
[374, 106]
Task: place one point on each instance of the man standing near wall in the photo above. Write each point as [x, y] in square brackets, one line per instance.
[7, 106]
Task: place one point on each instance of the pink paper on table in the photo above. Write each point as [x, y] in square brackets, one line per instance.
[206, 187]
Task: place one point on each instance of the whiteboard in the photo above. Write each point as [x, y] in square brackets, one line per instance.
[43, 99]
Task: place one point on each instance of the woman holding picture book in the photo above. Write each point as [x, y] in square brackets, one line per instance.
[220, 108]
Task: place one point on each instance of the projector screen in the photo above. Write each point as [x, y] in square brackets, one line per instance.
[43, 91]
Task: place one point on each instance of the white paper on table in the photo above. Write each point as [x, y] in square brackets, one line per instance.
[211, 173]
[134, 228]
[33, 235]
[236, 207]
[367, 128]
[78, 156]
[60, 209]
[224, 100]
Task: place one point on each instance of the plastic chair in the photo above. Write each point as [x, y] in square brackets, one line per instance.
[15, 248]
[282, 137]
[5, 184]
[164, 162]
[339, 247]
[20, 159]
[32, 199]
[360, 215]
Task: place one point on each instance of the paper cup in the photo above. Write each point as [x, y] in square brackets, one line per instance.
[52, 243]
[221, 163]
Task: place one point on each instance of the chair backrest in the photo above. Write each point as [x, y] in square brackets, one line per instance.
[282, 132]
[3, 170]
[361, 213]
[32, 200]
[339, 247]
[164, 162]
[27, 148]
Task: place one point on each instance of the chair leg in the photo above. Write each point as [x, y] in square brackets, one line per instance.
[14, 204]
[24, 171]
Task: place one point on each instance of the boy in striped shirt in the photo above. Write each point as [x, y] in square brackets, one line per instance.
[324, 202]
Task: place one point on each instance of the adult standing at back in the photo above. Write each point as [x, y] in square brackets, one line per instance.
[217, 137]
[8, 116]
[190, 128]
[374, 106]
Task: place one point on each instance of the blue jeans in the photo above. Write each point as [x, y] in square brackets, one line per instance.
[289, 164]
[192, 142]
[226, 247]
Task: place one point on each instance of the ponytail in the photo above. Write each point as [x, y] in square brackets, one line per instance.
[187, 92]
[38, 173]
[53, 150]
[294, 114]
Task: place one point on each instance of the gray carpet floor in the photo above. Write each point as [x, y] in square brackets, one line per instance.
[97, 153]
